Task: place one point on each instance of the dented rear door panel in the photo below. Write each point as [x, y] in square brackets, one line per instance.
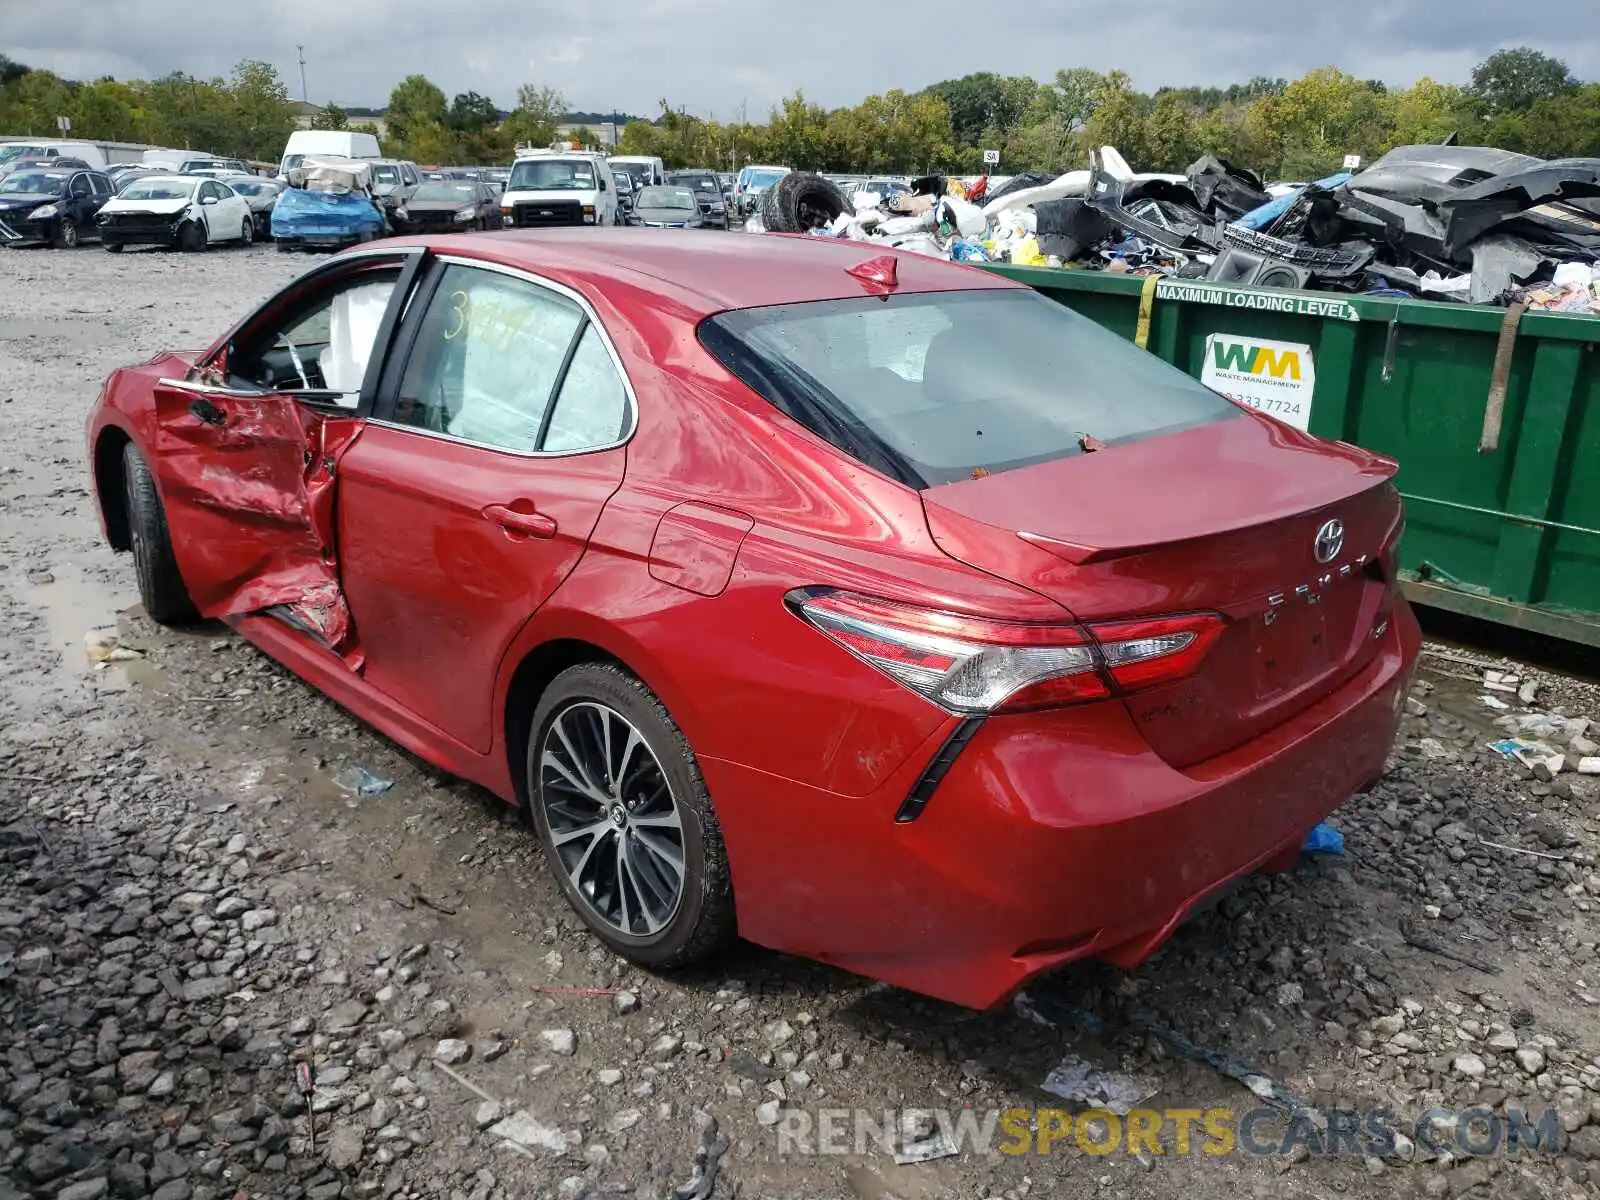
[249, 485]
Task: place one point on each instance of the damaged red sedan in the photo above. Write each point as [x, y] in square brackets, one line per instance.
[873, 609]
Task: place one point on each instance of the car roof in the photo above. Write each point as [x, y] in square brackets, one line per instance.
[705, 275]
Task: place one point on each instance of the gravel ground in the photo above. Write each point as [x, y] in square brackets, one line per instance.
[192, 911]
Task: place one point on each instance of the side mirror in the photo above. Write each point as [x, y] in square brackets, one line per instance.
[208, 200]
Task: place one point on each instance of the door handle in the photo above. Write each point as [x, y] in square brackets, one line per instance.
[530, 524]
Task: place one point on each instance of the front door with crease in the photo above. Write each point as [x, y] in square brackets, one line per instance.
[248, 483]
[454, 526]
[247, 448]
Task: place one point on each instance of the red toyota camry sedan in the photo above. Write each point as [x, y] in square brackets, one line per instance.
[868, 607]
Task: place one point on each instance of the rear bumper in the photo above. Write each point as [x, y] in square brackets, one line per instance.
[1053, 837]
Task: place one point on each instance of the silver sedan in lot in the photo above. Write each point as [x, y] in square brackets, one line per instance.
[261, 195]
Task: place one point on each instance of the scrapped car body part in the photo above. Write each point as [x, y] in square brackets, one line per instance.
[1160, 212]
[248, 489]
[1224, 190]
[1541, 194]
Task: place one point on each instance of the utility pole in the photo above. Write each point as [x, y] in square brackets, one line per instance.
[305, 97]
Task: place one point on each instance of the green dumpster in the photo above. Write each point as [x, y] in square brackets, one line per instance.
[1492, 414]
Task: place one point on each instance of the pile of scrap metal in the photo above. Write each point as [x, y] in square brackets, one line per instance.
[1442, 222]
[1465, 223]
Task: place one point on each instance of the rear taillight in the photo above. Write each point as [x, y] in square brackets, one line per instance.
[975, 665]
[1146, 653]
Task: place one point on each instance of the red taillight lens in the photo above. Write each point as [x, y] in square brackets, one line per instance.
[961, 663]
[1147, 653]
[976, 665]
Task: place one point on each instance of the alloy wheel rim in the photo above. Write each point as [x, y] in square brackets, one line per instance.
[613, 820]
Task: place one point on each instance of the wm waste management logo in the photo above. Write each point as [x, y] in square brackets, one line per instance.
[1277, 378]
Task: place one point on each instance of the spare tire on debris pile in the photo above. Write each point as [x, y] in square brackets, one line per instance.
[800, 202]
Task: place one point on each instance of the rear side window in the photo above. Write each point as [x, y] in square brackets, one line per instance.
[592, 406]
[940, 386]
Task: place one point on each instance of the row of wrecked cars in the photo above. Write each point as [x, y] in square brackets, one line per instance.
[1443, 222]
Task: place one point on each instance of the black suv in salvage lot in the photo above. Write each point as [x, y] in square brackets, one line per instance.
[51, 207]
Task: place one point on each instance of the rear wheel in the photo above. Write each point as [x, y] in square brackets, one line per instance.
[625, 820]
[161, 586]
[247, 233]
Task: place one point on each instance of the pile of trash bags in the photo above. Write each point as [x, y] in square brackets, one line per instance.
[1457, 223]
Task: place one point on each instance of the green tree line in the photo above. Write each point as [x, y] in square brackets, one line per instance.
[1518, 99]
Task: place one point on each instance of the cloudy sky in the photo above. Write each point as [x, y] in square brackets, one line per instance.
[714, 56]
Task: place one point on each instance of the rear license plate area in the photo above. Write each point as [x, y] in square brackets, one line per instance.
[1291, 646]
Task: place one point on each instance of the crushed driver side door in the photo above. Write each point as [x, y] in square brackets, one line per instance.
[248, 486]
[247, 445]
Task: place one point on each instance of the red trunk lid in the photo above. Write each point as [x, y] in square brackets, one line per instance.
[1224, 517]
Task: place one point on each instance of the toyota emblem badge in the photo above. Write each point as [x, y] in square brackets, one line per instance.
[1329, 541]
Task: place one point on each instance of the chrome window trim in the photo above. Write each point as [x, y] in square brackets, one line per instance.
[594, 321]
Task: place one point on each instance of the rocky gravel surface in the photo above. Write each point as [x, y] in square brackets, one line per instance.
[223, 976]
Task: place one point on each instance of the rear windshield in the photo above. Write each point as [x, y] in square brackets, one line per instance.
[935, 387]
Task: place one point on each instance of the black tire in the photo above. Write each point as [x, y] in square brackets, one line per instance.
[247, 233]
[703, 921]
[192, 237]
[67, 235]
[801, 201]
[161, 587]
[111, 247]
[767, 206]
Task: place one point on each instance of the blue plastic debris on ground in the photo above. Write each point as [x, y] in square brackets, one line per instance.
[1324, 839]
[359, 781]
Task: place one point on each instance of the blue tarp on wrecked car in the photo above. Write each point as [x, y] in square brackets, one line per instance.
[300, 213]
